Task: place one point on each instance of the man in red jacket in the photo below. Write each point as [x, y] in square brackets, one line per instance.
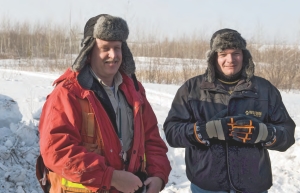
[98, 132]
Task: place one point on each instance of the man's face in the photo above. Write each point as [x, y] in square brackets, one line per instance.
[230, 61]
[106, 58]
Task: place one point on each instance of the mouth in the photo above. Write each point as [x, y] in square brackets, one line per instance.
[111, 62]
[230, 66]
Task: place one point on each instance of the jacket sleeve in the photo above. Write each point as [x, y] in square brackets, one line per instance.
[281, 121]
[179, 124]
[60, 143]
[157, 162]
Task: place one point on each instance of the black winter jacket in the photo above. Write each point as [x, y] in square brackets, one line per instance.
[226, 165]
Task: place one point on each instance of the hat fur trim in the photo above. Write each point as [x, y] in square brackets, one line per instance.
[108, 28]
[111, 28]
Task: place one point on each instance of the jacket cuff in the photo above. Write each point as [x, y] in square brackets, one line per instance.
[107, 177]
[164, 179]
[198, 135]
[272, 140]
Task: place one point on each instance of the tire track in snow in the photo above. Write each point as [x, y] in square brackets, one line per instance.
[35, 74]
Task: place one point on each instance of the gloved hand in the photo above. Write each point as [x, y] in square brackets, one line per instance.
[212, 129]
[247, 129]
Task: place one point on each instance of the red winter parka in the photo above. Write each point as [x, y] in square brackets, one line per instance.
[60, 139]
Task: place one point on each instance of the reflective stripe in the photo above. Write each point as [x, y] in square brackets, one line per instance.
[263, 133]
[215, 129]
[219, 129]
[211, 129]
[91, 140]
[70, 184]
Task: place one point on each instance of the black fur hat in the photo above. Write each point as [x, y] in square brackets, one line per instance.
[109, 28]
[228, 39]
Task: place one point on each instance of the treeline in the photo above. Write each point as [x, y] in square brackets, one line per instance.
[169, 61]
[38, 40]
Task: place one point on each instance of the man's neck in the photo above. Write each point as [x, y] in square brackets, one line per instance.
[107, 81]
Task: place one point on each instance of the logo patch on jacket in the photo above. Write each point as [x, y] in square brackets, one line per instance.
[254, 113]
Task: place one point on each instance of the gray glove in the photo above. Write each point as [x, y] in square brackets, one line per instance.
[241, 128]
[213, 129]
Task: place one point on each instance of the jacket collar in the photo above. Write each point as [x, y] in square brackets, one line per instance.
[242, 85]
[85, 80]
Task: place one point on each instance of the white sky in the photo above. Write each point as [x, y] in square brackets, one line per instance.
[268, 19]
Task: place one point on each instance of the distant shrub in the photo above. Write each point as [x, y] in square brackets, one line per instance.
[170, 61]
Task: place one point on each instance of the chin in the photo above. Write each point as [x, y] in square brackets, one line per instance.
[113, 72]
[230, 74]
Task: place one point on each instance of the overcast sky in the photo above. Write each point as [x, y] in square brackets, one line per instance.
[267, 19]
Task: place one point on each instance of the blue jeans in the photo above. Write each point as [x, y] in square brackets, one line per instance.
[196, 189]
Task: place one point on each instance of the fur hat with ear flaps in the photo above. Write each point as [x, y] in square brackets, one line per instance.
[109, 28]
[228, 39]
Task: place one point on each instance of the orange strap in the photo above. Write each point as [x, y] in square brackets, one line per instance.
[143, 166]
[196, 135]
[90, 131]
[250, 128]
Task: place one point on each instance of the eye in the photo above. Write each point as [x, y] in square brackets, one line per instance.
[104, 49]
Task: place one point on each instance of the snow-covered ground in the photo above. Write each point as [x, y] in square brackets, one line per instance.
[22, 95]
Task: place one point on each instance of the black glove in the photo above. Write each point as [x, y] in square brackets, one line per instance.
[247, 129]
[143, 178]
[212, 129]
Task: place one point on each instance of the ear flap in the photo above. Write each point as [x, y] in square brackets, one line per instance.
[249, 65]
[128, 64]
[81, 59]
[210, 71]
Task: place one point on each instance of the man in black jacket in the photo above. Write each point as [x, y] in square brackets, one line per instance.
[227, 119]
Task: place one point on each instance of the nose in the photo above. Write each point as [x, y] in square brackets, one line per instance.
[112, 53]
[229, 58]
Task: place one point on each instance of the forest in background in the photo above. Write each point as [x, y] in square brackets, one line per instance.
[52, 47]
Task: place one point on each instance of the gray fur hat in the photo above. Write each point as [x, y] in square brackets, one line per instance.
[109, 28]
[228, 39]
